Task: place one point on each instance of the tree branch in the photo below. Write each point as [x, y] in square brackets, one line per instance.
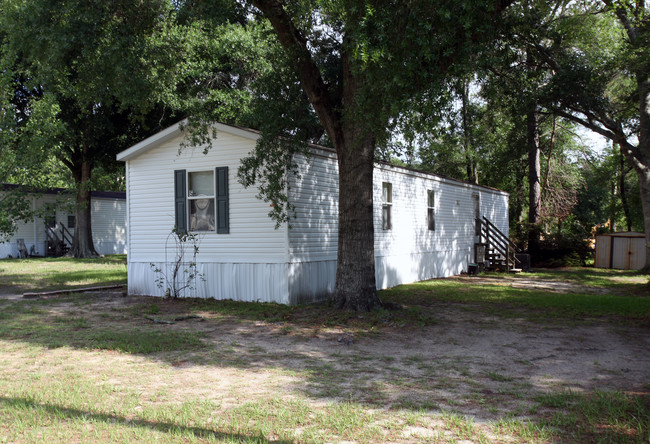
[621, 13]
[327, 107]
[617, 135]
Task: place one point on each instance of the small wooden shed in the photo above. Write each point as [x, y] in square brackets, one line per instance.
[625, 251]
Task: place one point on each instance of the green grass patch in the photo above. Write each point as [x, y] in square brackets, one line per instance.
[43, 274]
[502, 299]
[592, 277]
[598, 417]
[28, 322]
[224, 378]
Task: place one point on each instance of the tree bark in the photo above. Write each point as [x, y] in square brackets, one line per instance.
[623, 191]
[642, 165]
[534, 185]
[355, 287]
[82, 245]
[355, 273]
[470, 165]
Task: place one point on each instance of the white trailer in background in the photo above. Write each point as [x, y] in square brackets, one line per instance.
[108, 219]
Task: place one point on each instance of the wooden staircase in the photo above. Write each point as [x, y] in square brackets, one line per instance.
[59, 241]
[500, 251]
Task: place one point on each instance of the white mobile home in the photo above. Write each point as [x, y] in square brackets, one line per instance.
[108, 219]
[424, 224]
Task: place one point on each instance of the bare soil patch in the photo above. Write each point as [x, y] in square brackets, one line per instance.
[463, 361]
[469, 362]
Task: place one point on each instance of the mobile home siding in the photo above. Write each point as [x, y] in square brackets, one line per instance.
[32, 231]
[108, 217]
[313, 231]
[108, 220]
[241, 264]
[407, 252]
[297, 262]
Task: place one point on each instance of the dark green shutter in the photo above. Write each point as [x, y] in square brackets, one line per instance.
[223, 216]
[180, 200]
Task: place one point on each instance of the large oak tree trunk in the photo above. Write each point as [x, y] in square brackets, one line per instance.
[83, 245]
[355, 273]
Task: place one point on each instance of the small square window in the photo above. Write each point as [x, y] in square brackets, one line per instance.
[71, 221]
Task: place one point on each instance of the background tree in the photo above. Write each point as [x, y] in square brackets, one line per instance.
[600, 60]
[84, 85]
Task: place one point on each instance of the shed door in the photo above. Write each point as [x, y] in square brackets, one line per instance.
[636, 253]
[603, 251]
[620, 255]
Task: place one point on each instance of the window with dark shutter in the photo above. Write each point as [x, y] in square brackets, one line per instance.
[180, 202]
[223, 210]
[201, 200]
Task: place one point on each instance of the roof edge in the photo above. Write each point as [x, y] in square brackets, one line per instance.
[63, 191]
[175, 131]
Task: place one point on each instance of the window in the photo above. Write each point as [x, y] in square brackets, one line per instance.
[387, 199]
[71, 221]
[431, 214]
[201, 200]
[477, 214]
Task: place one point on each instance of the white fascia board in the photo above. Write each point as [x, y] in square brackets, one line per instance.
[446, 180]
[174, 131]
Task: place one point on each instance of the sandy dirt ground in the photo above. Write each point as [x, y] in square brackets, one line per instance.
[478, 365]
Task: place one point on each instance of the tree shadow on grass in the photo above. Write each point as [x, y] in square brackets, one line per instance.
[16, 283]
[261, 337]
[66, 413]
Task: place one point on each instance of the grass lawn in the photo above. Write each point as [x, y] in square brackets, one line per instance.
[22, 275]
[494, 359]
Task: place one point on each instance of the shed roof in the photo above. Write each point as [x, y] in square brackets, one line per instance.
[624, 234]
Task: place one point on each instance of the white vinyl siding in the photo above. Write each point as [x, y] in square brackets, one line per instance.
[108, 219]
[313, 233]
[252, 238]
[297, 262]
[407, 253]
